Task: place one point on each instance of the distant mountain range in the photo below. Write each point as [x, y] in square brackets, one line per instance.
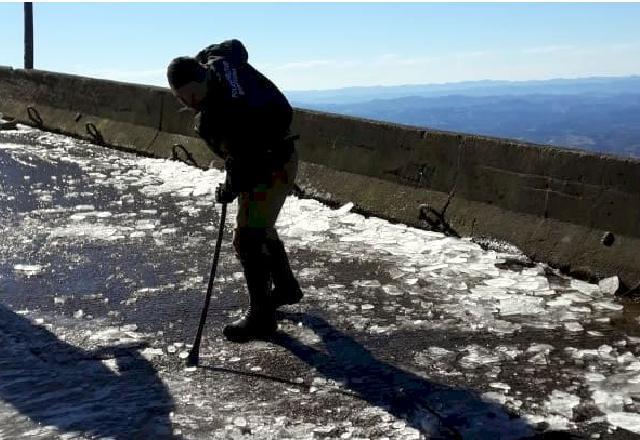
[597, 114]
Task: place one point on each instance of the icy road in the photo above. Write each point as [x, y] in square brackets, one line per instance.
[402, 334]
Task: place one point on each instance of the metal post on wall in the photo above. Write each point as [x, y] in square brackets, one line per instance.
[28, 35]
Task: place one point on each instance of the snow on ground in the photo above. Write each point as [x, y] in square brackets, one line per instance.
[538, 322]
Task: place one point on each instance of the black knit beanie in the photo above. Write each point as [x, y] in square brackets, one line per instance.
[183, 70]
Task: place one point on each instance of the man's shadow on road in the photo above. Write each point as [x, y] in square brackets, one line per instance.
[436, 410]
[56, 384]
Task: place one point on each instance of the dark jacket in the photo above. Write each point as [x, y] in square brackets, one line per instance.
[245, 119]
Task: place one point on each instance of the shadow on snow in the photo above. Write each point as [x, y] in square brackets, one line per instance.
[56, 384]
[436, 410]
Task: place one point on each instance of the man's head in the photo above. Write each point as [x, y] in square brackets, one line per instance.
[188, 80]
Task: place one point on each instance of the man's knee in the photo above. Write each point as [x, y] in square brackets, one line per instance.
[250, 242]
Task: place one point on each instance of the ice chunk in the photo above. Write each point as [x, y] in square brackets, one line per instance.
[152, 352]
[240, 422]
[520, 305]
[500, 282]
[500, 386]
[609, 286]
[608, 305]
[537, 348]
[562, 403]
[494, 396]
[501, 327]
[625, 420]
[478, 356]
[28, 269]
[309, 272]
[392, 290]
[584, 287]
[344, 209]
[573, 326]
[367, 283]
[77, 217]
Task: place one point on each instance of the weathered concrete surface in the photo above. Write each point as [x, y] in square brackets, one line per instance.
[554, 204]
[402, 334]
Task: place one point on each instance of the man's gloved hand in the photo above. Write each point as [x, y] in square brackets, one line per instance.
[224, 193]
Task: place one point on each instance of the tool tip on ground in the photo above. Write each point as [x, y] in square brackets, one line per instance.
[193, 359]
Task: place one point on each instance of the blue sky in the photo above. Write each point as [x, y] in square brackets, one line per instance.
[304, 46]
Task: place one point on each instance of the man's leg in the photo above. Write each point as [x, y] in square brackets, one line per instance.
[261, 208]
[286, 289]
[259, 321]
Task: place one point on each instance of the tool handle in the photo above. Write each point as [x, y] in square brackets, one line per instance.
[194, 354]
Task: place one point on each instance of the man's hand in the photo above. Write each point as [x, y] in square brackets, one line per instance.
[224, 193]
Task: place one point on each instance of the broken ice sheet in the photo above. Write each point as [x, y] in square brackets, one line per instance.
[405, 252]
[28, 270]
[609, 286]
[392, 290]
[520, 305]
[607, 305]
[478, 356]
[434, 354]
[625, 420]
[561, 403]
[150, 353]
[502, 327]
[367, 283]
[573, 326]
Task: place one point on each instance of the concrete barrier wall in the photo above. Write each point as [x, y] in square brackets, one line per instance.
[555, 204]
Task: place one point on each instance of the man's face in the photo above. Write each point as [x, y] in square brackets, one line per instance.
[191, 94]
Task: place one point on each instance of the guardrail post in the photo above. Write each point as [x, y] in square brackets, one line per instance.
[28, 35]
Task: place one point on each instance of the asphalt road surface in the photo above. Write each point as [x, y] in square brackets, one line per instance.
[402, 333]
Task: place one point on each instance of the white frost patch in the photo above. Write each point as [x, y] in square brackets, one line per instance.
[584, 287]
[495, 396]
[434, 354]
[607, 305]
[478, 356]
[520, 305]
[85, 208]
[573, 327]
[28, 269]
[625, 420]
[561, 403]
[609, 286]
[88, 231]
[150, 353]
[433, 281]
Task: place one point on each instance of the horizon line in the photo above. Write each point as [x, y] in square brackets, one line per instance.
[389, 86]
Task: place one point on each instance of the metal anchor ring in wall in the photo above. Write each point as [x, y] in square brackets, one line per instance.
[176, 156]
[34, 116]
[93, 133]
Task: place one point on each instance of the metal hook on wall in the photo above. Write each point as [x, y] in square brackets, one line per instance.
[175, 156]
[93, 132]
[34, 116]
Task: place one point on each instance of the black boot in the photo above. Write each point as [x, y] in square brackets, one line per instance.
[286, 289]
[260, 320]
